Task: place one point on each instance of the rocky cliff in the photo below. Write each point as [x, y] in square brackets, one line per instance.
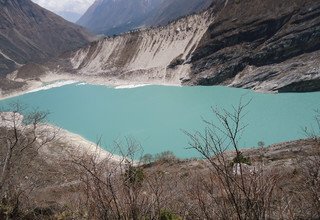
[29, 33]
[263, 45]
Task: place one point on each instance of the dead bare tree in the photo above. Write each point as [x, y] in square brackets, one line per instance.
[313, 132]
[155, 183]
[113, 188]
[100, 186]
[20, 140]
[309, 169]
[242, 191]
[133, 178]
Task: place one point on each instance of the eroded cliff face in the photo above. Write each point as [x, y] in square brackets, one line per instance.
[148, 56]
[267, 45]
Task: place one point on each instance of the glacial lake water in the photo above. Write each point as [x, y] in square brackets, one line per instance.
[156, 115]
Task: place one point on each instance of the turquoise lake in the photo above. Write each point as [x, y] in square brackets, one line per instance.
[156, 115]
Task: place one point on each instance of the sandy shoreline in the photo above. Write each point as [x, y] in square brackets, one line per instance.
[53, 80]
[78, 145]
[63, 144]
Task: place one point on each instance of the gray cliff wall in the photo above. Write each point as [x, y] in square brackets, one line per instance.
[267, 45]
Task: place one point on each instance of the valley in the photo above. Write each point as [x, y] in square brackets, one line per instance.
[182, 110]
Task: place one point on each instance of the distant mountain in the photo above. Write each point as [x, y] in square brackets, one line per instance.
[111, 17]
[29, 33]
[69, 15]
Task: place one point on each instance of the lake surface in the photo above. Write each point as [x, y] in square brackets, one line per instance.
[156, 115]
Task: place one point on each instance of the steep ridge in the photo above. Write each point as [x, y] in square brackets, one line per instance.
[111, 17]
[146, 56]
[29, 33]
[267, 45]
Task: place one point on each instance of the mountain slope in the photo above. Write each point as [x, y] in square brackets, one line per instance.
[29, 33]
[117, 16]
[172, 9]
[265, 45]
[146, 56]
[69, 15]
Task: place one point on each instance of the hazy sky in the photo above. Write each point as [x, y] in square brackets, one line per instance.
[75, 6]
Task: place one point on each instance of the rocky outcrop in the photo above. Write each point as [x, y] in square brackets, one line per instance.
[265, 45]
[29, 33]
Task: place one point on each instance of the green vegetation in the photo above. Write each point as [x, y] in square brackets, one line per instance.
[167, 215]
[147, 159]
[241, 159]
[166, 156]
[261, 144]
[134, 176]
